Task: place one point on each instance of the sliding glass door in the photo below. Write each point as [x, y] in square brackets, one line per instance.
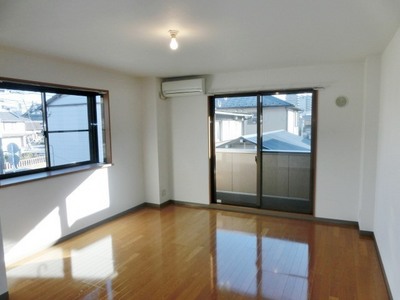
[287, 152]
[235, 132]
[263, 150]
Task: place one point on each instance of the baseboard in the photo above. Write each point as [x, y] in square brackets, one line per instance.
[382, 267]
[4, 296]
[372, 235]
[158, 206]
[264, 212]
[136, 208]
[190, 204]
[366, 233]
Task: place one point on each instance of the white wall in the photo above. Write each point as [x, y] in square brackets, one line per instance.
[369, 143]
[3, 277]
[156, 143]
[164, 148]
[387, 206]
[150, 141]
[36, 214]
[189, 149]
[339, 133]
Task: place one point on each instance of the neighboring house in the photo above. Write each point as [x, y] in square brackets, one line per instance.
[34, 113]
[237, 116]
[279, 140]
[67, 129]
[19, 135]
[13, 130]
[67, 114]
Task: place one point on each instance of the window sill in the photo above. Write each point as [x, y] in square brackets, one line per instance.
[50, 174]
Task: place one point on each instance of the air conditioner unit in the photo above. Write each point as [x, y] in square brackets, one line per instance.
[183, 87]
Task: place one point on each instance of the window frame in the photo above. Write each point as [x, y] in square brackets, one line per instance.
[259, 94]
[95, 161]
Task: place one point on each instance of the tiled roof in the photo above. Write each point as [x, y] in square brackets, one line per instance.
[279, 140]
[34, 113]
[6, 116]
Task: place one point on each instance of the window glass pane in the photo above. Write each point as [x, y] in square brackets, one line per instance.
[66, 112]
[287, 122]
[21, 131]
[263, 150]
[286, 152]
[68, 147]
[49, 127]
[235, 150]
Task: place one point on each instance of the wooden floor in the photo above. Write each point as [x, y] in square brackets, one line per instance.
[190, 253]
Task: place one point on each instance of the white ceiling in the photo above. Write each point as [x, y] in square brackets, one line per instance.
[214, 35]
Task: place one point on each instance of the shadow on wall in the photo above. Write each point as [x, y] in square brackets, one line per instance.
[36, 215]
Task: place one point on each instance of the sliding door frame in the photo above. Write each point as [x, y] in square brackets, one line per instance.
[259, 95]
[259, 150]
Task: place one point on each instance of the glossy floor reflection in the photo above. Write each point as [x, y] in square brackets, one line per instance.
[188, 253]
[269, 268]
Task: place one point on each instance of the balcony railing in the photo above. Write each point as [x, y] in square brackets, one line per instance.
[29, 163]
[284, 174]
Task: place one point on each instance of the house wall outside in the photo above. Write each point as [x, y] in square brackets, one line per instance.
[387, 206]
[274, 118]
[63, 149]
[36, 214]
[12, 132]
[293, 122]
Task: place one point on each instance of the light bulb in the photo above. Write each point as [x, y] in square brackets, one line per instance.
[173, 44]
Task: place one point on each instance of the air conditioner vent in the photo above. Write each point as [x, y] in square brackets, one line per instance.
[184, 87]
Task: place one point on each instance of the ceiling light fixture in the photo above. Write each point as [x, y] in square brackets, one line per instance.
[174, 43]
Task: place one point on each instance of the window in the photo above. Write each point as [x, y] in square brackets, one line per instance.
[263, 147]
[47, 127]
